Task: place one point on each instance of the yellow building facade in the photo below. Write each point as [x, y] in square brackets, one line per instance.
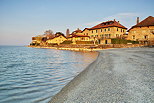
[58, 39]
[143, 31]
[105, 31]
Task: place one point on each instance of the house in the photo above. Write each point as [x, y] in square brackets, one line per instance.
[77, 36]
[57, 39]
[105, 31]
[80, 38]
[37, 40]
[143, 31]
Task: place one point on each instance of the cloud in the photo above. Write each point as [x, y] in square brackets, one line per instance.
[126, 19]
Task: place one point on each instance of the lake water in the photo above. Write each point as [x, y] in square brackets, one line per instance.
[33, 75]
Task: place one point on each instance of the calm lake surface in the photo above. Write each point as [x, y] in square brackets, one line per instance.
[32, 75]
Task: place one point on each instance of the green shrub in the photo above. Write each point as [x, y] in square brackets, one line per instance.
[84, 42]
[35, 44]
[67, 42]
[52, 44]
[122, 41]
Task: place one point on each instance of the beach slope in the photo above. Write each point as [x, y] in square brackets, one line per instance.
[118, 75]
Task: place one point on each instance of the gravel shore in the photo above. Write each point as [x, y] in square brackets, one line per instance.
[117, 76]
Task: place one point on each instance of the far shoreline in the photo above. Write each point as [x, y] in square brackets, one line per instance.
[89, 48]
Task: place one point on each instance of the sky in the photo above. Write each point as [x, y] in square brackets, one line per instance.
[22, 19]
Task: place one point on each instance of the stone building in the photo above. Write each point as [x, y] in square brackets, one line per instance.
[143, 31]
[105, 31]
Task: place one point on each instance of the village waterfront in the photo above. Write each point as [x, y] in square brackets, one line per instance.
[34, 75]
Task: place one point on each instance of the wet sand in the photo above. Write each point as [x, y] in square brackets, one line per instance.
[123, 75]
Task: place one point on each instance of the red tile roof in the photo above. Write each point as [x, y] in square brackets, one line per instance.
[149, 21]
[108, 24]
[85, 29]
[77, 31]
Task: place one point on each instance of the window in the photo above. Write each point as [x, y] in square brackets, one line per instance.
[121, 30]
[108, 29]
[133, 36]
[104, 29]
[92, 31]
[87, 33]
[101, 30]
[117, 29]
[96, 31]
[146, 37]
[109, 35]
[117, 35]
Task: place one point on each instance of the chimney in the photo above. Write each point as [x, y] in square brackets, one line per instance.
[137, 21]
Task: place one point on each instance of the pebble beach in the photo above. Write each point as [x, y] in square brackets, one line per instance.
[122, 75]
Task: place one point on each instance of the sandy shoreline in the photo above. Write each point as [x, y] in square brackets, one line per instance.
[117, 75]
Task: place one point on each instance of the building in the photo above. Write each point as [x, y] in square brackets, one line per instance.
[143, 31]
[37, 40]
[57, 39]
[105, 31]
[77, 36]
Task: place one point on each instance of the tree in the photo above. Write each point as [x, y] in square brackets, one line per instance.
[48, 32]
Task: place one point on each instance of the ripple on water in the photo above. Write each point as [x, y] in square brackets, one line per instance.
[29, 75]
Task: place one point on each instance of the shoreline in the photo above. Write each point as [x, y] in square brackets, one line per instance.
[111, 79]
[71, 49]
[89, 48]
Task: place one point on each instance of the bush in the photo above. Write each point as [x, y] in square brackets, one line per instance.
[84, 42]
[35, 44]
[67, 42]
[122, 41]
[52, 44]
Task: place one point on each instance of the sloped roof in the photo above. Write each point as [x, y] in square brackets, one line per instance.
[77, 31]
[108, 24]
[57, 36]
[149, 21]
[85, 29]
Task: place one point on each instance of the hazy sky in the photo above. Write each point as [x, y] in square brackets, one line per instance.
[22, 19]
